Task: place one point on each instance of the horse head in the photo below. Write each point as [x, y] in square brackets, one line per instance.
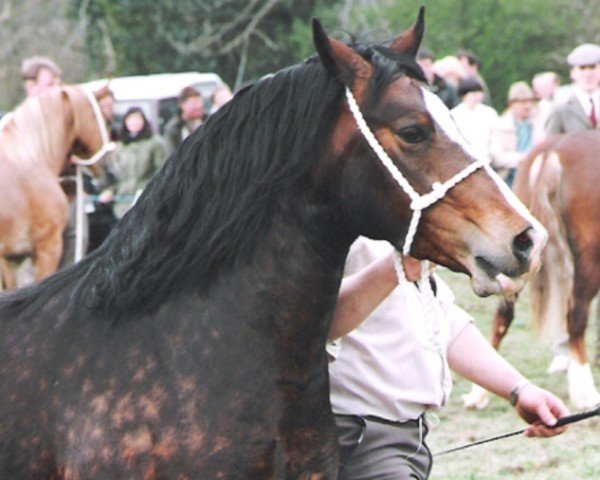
[90, 133]
[409, 176]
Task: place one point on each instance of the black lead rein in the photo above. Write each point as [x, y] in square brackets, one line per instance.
[566, 420]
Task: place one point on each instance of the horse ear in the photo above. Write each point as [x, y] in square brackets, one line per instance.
[410, 40]
[103, 91]
[341, 61]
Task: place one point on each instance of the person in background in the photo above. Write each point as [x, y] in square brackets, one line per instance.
[545, 85]
[138, 156]
[100, 212]
[581, 109]
[516, 132]
[220, 96]
[472, 66]
[191, 115]
[450, 69]
[443, 89]
[391, 344]
[474, 119]
[39, 74]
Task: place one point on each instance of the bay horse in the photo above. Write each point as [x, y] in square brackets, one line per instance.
[191, 343]
[36, 142]
[558, 181]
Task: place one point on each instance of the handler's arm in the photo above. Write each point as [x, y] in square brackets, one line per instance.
[361, 292]
[471, 356]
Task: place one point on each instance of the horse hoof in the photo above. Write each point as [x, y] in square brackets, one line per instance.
[582, 390]
[559, 364]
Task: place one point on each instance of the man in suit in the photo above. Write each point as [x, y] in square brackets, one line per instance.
[581, 110]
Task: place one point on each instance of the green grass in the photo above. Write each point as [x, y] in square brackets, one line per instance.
[573, 455]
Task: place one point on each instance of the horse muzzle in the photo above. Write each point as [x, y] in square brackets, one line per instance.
[505, 271]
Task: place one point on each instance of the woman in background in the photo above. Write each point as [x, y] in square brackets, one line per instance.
[139, 154]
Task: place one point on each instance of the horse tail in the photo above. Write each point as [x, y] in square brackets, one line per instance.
[551, 287]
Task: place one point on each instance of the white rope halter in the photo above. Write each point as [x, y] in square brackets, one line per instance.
[107, 146]
[418, 202]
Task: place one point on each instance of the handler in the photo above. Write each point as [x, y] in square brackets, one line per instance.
[392, 344]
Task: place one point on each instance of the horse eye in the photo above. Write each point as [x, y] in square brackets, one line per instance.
[412, 134]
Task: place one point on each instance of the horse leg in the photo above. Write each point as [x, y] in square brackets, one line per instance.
[8, 280]
[582, 390]
[478, 397]
[505, 314]
[48, 251]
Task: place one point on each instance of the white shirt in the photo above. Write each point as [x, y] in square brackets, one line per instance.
[476, 125]
[386, 367]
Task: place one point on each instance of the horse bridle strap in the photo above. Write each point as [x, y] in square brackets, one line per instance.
[418, 202]
[107, 145]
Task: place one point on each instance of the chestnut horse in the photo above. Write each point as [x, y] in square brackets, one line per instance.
[191, 343]
[36, 142]
[559, 181]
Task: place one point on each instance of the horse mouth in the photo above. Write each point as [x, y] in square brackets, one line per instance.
[487, 279]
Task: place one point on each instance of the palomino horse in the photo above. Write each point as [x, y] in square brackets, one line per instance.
[559, 182]
[191, 344]
[35, 145]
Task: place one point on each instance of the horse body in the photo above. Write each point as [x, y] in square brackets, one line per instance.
[35, 144]
[191, 344]
[559, 182]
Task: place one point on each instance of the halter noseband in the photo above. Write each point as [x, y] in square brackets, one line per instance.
[418, 202]
[107, 145]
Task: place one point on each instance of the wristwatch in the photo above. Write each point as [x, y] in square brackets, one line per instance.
[514, 392]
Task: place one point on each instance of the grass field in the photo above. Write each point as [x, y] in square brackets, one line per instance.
[573, 455]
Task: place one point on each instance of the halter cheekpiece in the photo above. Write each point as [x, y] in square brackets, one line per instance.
[418, 202]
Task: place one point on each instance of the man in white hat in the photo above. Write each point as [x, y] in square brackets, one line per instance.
[581, 110]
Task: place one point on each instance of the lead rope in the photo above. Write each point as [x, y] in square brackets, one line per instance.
[577, 417]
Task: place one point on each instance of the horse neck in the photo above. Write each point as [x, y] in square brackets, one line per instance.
[41, 130]
[307, 263]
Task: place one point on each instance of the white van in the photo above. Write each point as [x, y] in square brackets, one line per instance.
[156, 94]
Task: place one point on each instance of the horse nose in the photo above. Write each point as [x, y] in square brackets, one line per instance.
[526, 247]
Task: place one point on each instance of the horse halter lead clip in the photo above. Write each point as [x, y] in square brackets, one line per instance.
[418, 202]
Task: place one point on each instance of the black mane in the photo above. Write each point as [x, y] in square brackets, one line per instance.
[215, 196]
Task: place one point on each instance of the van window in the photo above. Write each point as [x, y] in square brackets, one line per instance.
[156, 94]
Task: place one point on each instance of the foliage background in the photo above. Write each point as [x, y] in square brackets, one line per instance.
[245, 39]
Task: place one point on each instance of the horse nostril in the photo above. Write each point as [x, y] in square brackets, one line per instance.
[522, 245]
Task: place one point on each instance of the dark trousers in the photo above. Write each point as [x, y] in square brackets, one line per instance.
[377, 449]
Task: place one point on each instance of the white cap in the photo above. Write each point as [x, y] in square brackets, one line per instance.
[585, 54]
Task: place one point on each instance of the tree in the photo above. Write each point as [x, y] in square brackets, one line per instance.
[513, 39]
[37, 27]
[239, 39]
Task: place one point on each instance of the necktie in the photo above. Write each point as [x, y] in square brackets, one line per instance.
[593, 119]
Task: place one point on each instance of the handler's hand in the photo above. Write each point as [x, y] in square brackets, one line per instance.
[540, 409]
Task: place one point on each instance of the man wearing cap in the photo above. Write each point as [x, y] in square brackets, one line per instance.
[190, 117]
[581, 110]
[517, 130]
